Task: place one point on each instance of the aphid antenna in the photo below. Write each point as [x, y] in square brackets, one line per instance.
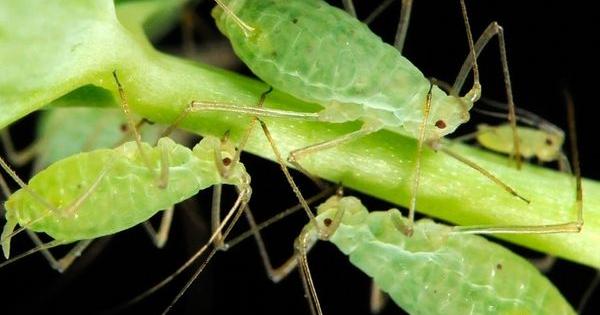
[245, 27]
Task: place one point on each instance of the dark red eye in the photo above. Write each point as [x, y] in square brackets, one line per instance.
[327, 222]
[440, 124]
[549, 141]
[226, 161]
[123, 127]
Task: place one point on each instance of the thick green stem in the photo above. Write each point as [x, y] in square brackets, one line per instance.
[381, 165]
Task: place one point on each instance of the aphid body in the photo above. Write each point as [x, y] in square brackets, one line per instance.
[105, 191]
[544, 145]
[320, 54]
[436, 271]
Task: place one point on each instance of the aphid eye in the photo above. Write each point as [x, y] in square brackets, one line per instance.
[499, 266]
[327, 222]
[440, 124]
[226, 161]
[294, 20]
[123, 127]
[549, 141]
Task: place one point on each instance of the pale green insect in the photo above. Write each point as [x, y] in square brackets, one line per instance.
[543, 145]
[320, 54]
[105, 191]
[62, 132]
[436, 271]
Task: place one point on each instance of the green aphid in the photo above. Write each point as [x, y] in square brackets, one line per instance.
[105, 191]
[436, 271]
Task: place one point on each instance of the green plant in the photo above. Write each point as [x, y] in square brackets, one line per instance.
[67, 59]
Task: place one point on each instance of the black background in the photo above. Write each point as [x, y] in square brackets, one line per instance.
[550, 47]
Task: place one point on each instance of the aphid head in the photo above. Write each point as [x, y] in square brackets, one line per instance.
[447, 113]
[353, 211]
[226, 156]
[550, 147]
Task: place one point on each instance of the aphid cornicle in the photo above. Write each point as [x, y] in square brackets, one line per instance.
[110, 190]
[435, 271]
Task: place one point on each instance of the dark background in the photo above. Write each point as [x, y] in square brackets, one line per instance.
[550, 47]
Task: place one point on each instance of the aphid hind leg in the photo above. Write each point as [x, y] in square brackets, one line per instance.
[366, 129]
[408, 230]
[159, 238]
[494, 29]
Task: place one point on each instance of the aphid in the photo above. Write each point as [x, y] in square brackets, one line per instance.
[274, 38]
[63, 132]
[439, 270]
[105, 191]
[537, 137]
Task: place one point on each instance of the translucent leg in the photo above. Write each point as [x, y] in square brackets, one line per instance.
[493, 30]
[403, 25]
[349, 7]
[275, 274]
[232, 216]
[65, 262]
[18, 158]
[160, 237]
[544, 264]
[380, 8]
[588, 293]
[378, 299]
[296, 155]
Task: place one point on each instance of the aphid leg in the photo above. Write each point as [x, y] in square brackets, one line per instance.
[232, 216]
[159, 238]
[367, 128]
[417, 172]
[189, 21]
[494, 29]
[568, 227]
[588, 293]
[22, 157]
[130, 122]
[378, 299]
[247, 29]
[65, 262]
[303, 244]
[403, 25]
[224, 164]
[544, 264]
[349, 7]
[275, 274]
[486, 173]
[378, 10]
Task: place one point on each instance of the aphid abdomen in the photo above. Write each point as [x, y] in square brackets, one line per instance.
[319, 53]
[127, 195]
[436, 273]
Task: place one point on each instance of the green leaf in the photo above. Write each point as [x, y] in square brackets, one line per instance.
[68, 55]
